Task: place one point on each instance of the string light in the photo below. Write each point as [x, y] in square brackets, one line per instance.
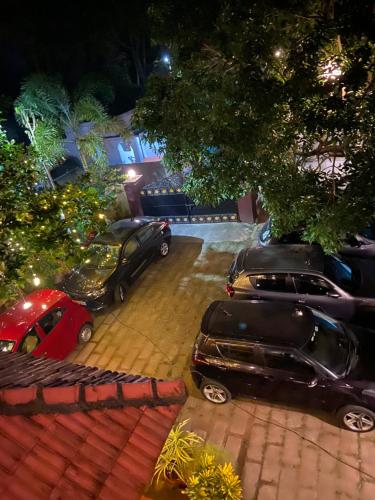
[36, 281]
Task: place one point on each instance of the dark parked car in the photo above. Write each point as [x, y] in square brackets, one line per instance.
[114, 259]
[362, 245]
[286, 354]
[304, 275]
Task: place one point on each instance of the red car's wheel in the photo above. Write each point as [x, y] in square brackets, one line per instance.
[85, 333]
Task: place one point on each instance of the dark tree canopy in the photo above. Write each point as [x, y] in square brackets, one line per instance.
[75, 39]
[276, 96]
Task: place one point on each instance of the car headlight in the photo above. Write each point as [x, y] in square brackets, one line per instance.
[6, 345]
[98, 293]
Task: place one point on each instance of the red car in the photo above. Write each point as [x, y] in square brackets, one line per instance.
[47, 323]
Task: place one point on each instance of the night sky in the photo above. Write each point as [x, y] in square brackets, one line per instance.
[74, 40]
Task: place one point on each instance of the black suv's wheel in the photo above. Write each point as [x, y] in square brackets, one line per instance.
[120, 293]
[85, 333]
[164, 248]
[356, 418]
[215, 392]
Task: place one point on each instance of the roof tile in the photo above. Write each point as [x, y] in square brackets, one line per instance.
[73, 425]
[139, 390]
[116, 490]
[127, 418]
[46, 471]
[10, 447]
[94, 393]
[66, 490]
[170, 389]
[61, 395]
[86, 481]
[100, 445]
[114, 435]
[95, 457]
[50, 457]
[7, 462]
[105, 447]
[20, 490]
[61, 440]
[18, 428]
[18, 396]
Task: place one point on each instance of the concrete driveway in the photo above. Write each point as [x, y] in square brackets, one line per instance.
[280, 453]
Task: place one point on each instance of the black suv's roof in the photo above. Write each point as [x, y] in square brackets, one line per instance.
[274, 258]
[120, 231]
[276, 323]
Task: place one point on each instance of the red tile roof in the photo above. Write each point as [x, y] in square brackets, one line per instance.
[84, 441]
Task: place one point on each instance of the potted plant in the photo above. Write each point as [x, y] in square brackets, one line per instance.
[213, 480]
[179, 451]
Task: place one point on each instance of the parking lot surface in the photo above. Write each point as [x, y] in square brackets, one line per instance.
[279, 453]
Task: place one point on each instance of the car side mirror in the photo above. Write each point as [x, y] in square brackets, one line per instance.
[333, 295]
[313, 382]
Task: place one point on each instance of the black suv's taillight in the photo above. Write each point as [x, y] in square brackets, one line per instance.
[229, 289]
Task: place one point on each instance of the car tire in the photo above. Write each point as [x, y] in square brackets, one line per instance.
[356, 418]
[215, 392]
[120, 293]
[85, 333]
[164, 248]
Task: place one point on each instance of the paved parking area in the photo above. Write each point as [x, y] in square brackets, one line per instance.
[280, 453]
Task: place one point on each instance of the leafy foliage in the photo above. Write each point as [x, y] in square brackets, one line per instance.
[177, 453]
[213, 481]
[40, 232]
[277, 96]
[48, 113]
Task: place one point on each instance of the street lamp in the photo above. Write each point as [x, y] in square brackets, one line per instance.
[132, 173]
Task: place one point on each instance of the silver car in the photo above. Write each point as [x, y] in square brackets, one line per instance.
[304, 275]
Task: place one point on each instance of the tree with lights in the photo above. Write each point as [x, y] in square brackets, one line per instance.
[41, 233]
[271, 96]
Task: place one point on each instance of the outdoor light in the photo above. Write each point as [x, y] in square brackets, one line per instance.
[101, 216]
[330, 70]
[278, 53]
[27, 305]
[131, 173]
[36, 281]
[166, 59]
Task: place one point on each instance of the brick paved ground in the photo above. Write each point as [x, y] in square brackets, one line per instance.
[153, 332]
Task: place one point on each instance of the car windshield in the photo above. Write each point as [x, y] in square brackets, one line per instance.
[329, 345]
[340, 273]
[102, 256]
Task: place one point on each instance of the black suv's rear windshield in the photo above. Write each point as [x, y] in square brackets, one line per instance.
[329, 345]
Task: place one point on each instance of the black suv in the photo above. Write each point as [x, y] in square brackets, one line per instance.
[114, 259]
[304, 275]
[287, 354]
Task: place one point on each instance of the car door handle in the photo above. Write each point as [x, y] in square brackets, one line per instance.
[301, 301]
[255, 297]
[221, 367]
[270, 378]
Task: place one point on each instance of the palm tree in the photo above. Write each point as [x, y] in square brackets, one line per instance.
[44, 100]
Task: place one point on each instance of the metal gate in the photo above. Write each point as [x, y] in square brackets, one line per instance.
[173, 204]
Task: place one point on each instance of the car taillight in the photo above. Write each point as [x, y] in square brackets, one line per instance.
[229, 289]
[165, 225]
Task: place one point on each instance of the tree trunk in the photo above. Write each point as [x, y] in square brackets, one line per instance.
[49, 177]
